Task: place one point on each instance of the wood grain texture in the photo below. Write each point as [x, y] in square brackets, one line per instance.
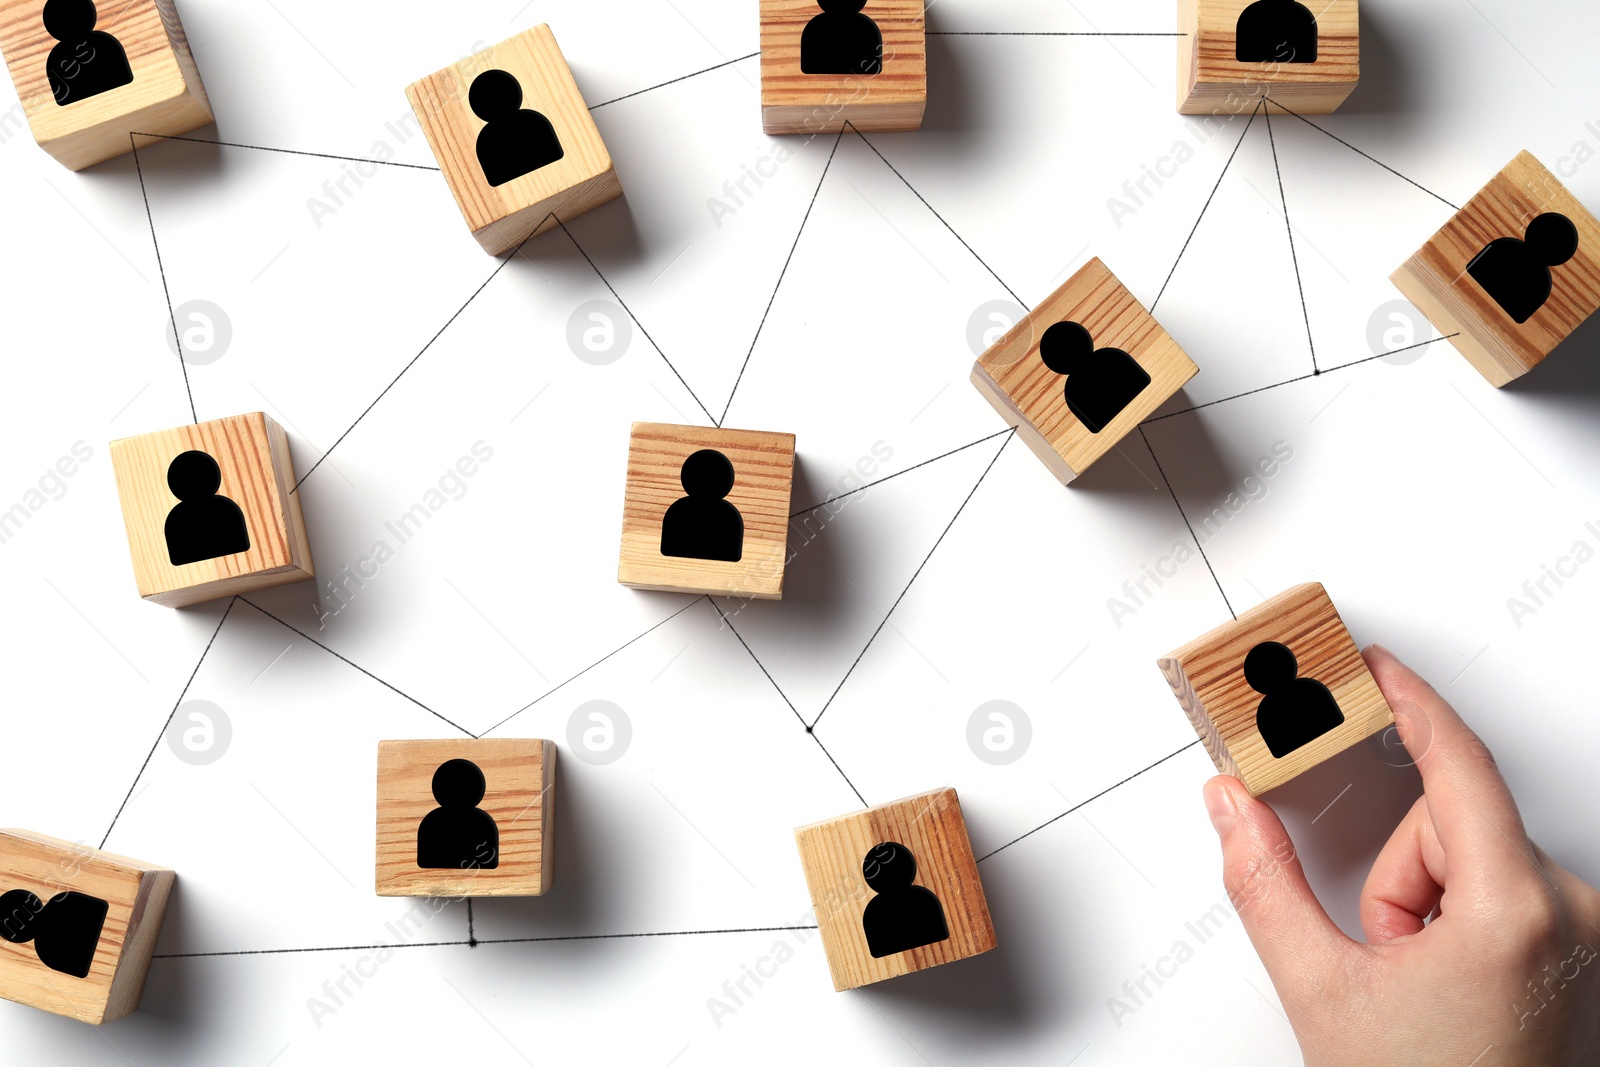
[763, 465]
[1207, 675]
[520, 797]
[257, 474]
[893, 99]
[165, 97]
[1435, 279]
[1031, 396]
[1211, 80]
[502, 217]
[931, 826]
[136, 894]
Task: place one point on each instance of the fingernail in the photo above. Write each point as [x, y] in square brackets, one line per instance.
[1220, 806]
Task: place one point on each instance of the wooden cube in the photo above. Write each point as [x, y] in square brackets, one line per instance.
[1234, 52]
[118, 68]
[1279, 690]
[465, 817]
[707, 510]
[239, 528]
[895, 889]
[1081, 371]
[821, 69]
[78, 926]
[1534, 298]
[541, 156]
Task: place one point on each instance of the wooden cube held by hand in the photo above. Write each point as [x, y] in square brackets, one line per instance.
[1279, 690]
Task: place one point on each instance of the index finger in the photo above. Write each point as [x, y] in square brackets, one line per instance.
[1473, 811]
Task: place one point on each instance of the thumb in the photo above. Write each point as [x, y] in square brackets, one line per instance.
[1297, 942]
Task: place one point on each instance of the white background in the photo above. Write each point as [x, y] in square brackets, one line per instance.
[1422, 497]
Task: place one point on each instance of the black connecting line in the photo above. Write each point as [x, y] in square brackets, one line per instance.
[809, 728]
[1187, 524]
[673, 81]
[472, 940]
[562, 685]
[781, 275]
[612, 290]
[1207, 206]
[175, 705]
[288, 151]
[1044, 33]
[915, 575]
[1294, 256]
[387, 685]
[172, 316]
[1359, 152]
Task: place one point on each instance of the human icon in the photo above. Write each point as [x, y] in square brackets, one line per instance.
[64, 932]
[1516, 272]
[902, 916]
[1277, 31]
[704, 525]
[458, 834]
[1294, 711]
[517, 140]
[1100, 383]
[841, 40]
[87, 61]
[202, 525]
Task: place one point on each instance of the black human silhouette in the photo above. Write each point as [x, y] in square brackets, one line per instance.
[202, 525]
[458, 833]
[902, 916]
[703, 525]
[1100, 383]
[1277, 31]
[841, 40]
[64, 932]
[1294, 711]
[517, 140]
[1517, 272]
[88, 61]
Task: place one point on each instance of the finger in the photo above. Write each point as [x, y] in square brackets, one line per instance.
[1407, 880]
[1266, 885]
[1472, 808]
